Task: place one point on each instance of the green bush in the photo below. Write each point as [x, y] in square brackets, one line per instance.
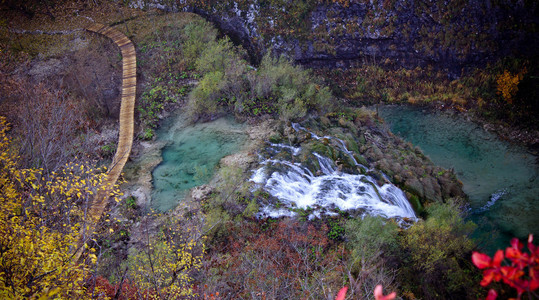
[204, 98]
[149, 107]
[439, 250]
[108, 149]
[227, 203]
[217, 57]
[294, 88]
[373, 246]
[223, 81]
[371, 237]
[198, 35]
[276, 87]
[131, 202]
[147, 134]
[292, 110]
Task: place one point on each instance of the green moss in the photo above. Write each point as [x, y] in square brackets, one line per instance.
[322, 149]
[251, 209]
[416, 204]
[276, 138]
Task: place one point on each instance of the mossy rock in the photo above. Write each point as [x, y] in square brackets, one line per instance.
[375, 153]
[416, 204]
[352, 145]
[431, 189]
[346, 162]
[385, 167]
[413, 186]
[325, 121]
[450, 186]
[316, 146]
[276, 138]
[362, 139]
[361, 160]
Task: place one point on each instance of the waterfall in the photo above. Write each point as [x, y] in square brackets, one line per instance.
[340, 143]
[326, 192]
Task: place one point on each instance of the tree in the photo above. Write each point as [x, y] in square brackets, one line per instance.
[507, 84]
[162, 268]
[40, 218]
[49, 125]
[373, 244]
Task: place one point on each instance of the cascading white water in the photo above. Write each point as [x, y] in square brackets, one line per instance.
[340, 143]
[297, 187]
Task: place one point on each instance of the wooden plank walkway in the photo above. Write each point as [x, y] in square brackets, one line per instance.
[126, 119]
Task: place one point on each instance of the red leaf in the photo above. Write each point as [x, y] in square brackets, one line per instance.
[511, 273]
[379, 295]
[342, 293]
[492, 295]
[512, 253]
[488, 276]
[516, 244]
[498, 258]
[517, 257]
[534, 284]
[481, 260]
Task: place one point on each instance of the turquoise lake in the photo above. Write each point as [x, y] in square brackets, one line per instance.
[191, 154]
[501, 179]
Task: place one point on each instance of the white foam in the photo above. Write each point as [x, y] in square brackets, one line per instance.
[296, 186]
[493, 198]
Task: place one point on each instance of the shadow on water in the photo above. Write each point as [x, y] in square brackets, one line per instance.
[500, 179]
[191, 156]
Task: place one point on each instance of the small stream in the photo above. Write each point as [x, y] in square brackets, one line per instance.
[500, 179]
[190, 156]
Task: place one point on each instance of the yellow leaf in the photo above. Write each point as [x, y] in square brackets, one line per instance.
[93, 258]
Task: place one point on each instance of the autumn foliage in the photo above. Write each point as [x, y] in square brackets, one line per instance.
[40, 217]
[274, 260]
[507, 84]
[521, 271]
[34, 258]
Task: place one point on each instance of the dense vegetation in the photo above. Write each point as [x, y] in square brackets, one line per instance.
[502, 92]
[218, 249]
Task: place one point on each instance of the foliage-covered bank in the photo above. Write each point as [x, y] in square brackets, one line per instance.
[502, 95]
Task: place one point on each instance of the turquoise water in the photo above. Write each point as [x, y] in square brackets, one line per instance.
[191, 156]
[500, 179]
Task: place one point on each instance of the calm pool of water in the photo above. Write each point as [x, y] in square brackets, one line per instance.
[191, 156]
[501, 179]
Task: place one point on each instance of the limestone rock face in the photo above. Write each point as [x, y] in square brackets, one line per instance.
[449, 35]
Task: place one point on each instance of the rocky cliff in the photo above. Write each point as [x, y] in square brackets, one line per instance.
[451, 35]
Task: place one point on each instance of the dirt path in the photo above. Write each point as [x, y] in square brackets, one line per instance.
[125, 140]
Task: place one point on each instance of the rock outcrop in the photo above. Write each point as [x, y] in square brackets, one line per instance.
[449, 35]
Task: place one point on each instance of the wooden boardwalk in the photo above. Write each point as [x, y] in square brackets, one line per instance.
[126, 119]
